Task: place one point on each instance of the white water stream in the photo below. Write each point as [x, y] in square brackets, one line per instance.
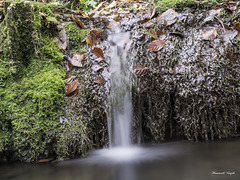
[120, 111]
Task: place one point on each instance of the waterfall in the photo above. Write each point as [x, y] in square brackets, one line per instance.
[120, 98]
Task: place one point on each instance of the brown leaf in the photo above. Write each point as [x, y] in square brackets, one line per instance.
[72, 87]
[153, 34]
[98, 80]
[80, 13]
[1, 5]
[58, 13]
[143, 21]
[96, 67]
[91, 40]
[96, 34]
[98, 52]
[232, 54]
[156, 45]
[78, 59]
[160, 33]
[209, 35]
[168, 18]
[78, 21]
[140, 70]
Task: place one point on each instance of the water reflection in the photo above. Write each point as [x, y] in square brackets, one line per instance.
[166, 161]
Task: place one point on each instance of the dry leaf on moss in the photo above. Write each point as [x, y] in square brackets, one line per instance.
[78, 59]
[140, 70]
[78, 21]
[98, 80]
[156, 45]
[72, 87]
[98, 52]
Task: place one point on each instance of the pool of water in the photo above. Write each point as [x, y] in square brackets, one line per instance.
[182, 160]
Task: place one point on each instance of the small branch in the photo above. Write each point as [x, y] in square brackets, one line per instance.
[220, 23]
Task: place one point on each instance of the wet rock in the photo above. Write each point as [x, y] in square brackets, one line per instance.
[198, 97]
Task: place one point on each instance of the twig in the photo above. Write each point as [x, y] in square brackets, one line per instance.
[220, 23]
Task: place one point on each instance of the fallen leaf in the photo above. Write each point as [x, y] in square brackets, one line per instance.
[58, 13]
[61, 45]
[168, 18]
[78, 59]
[98, 52]
[72, 87]
[140, 70]
[69, 79]
[1, 5]
[153, 33]
[209, 35]
[156, 45]
[98, 80]
[96, 68]
[78, 21]
[232, 54]
[149, 25]
[160, 33]
[63, 36]
[80, 13]
[91, 40]
[96, 34]
[143, 21]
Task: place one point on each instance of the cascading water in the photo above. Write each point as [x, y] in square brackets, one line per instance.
[120, 111]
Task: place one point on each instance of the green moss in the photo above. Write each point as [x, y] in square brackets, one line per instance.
[163, 5]
[32, 97]
[76, 36]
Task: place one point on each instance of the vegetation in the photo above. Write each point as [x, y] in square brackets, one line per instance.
[31, 83]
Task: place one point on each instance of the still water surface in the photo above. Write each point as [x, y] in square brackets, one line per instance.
[218, 160]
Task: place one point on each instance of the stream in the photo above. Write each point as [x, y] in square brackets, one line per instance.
[181, 160]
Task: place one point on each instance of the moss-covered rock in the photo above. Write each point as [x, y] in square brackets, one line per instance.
[163, 5]
[31, 81]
